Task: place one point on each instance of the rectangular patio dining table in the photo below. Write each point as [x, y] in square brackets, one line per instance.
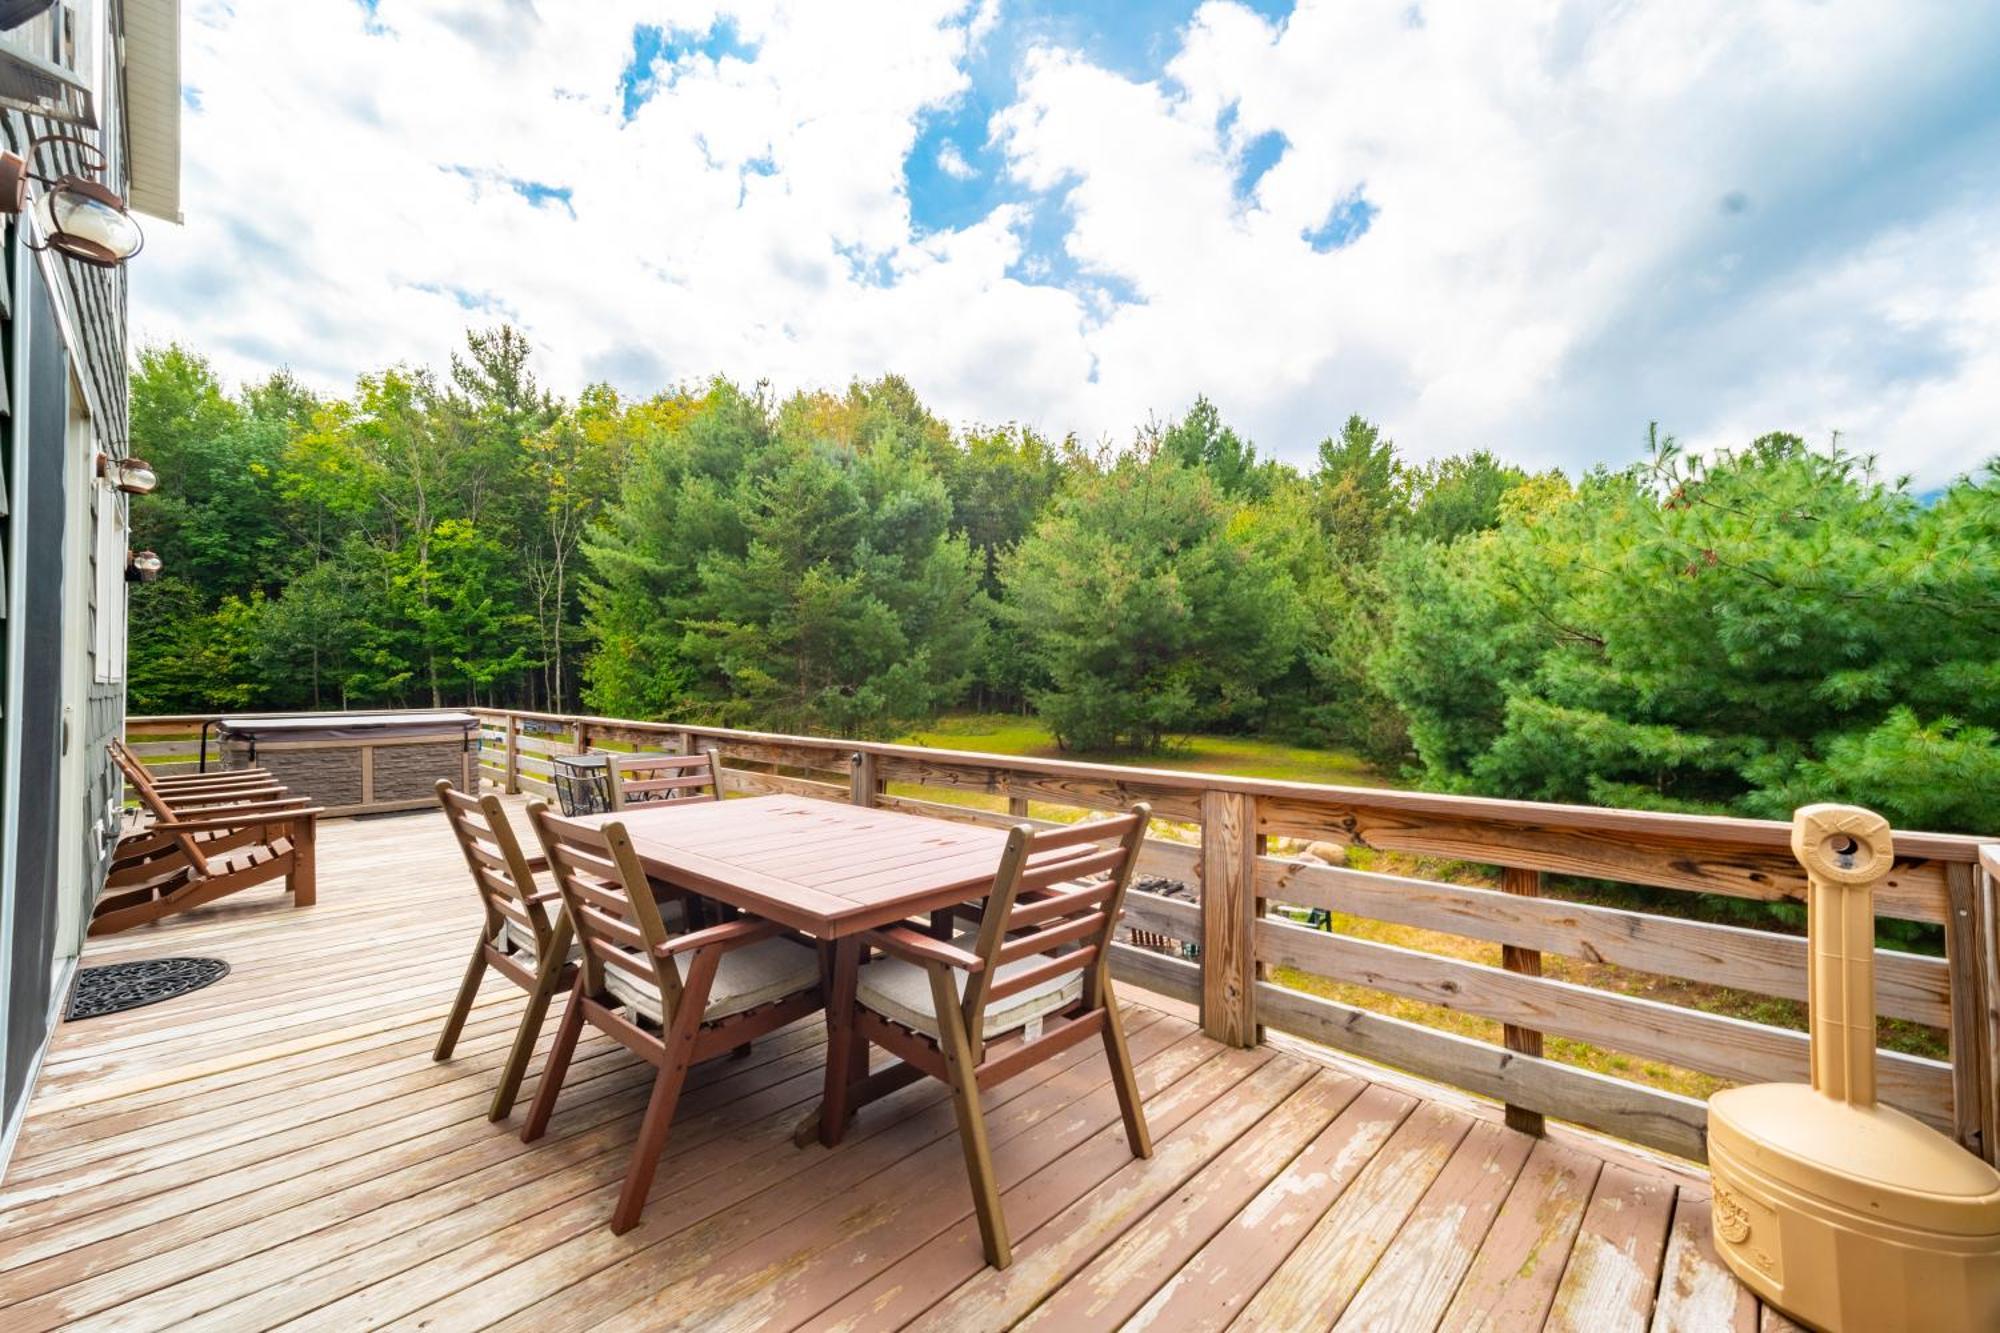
[827, 870]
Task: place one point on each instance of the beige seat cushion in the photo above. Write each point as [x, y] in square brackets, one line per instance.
[748, 977]
[523, 941]
[901, 992]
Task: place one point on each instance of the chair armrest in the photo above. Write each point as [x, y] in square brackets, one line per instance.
[232, 806]
[229, 792]
[221, 824]
[183, 781]
[200, 791]
[916, 947]
[729, 935]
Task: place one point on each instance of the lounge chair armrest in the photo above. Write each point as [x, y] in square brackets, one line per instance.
[203, 800]
[220, 824]
[730, 935]
[916, 947]
[213, 809]
[231, 793]
[212, 775]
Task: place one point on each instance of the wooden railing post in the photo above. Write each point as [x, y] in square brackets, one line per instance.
[1986, 914]
[1968, 956]
[580, 734]
[1527, 962]
[1228, 909]
[1017, 806]
[861, 778]
[510, 768]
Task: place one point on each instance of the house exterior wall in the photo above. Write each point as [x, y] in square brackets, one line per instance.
[63, 389]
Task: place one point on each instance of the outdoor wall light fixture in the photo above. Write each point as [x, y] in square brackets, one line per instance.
[73, 214]
[142, 567]
[134, 476]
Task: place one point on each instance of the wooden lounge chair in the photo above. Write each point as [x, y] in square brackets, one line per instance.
[193, 855]
[196, 790]
[664, 777]
[673, 1000]
[145, 841]
[517, 938]
[1033, 980]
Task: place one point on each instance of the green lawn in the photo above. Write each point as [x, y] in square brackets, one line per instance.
[1245, 756]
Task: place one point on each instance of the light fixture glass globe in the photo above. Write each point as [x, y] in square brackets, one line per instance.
[75, 218]
[135, 476]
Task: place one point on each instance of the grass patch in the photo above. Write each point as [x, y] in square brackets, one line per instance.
[1239, 756]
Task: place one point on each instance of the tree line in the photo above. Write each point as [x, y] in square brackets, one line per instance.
[1743, 630]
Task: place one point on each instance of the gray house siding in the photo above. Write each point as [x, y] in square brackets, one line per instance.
[61, 318]
[35, 480]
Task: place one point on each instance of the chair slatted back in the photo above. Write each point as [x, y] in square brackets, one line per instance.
[666, 777]
[500, 871]
[611, 906]
[156, 805]
[1057, 895]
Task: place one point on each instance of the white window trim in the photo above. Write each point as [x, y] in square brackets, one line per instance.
[113, 538]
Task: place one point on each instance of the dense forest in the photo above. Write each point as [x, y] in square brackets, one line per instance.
[1743, 630]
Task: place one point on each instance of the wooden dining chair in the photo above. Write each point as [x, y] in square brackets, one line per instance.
[524, 935]
[1032, 980]
[650, 778]
[672, 999]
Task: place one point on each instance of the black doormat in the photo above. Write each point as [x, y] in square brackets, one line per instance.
[121, 986]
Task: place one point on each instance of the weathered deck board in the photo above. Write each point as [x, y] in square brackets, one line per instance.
[1315, 1284]
[1414, 1281]
[873, 1217]
[903, 1290]
[1046, 1258]
[1513, 1277]
[1614, 1266]
[280, 1149]
[1121, 1279]
[1211, 1288]
[1696, 1292]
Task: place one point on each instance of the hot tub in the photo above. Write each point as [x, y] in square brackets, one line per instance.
[357, 763]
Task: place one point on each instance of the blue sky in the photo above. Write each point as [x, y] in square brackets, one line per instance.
[1527, 228]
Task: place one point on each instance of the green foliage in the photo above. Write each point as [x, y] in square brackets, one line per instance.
[793, 569]
[1360, 489]
[1747, 632]
[184, 658]
[1153, 603]
[1455, 496]
[411, 544]
[214, 522]
[1202, 442]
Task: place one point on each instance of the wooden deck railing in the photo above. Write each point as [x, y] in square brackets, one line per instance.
[1229, 824]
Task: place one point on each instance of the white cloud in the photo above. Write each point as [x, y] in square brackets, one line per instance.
[1728, 216]
[953, 164]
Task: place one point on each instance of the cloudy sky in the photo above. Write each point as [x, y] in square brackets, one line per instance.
[1528, 227]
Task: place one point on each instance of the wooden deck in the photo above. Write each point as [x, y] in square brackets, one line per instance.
[280, 1149]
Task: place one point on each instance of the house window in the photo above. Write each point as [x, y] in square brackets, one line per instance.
[108, 650]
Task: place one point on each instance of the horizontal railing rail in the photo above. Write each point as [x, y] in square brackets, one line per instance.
[1222, 950]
